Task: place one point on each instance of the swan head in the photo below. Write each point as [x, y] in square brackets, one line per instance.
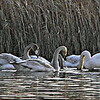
[86, 53]
[64, 51]
[36, 49]
[55, 62]
[85, 56]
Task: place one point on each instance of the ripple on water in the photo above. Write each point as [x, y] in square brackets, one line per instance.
[66, 85]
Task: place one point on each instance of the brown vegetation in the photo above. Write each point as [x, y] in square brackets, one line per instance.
[49, 23]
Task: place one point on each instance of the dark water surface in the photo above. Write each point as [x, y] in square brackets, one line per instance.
[65, 85]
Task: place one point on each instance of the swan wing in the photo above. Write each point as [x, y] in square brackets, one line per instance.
[70, 65]
[36, 65]
[41, 59]
[7, 66]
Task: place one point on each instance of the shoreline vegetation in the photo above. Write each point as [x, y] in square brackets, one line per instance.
[50, 23]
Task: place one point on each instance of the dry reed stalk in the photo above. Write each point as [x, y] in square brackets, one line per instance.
[49, 23]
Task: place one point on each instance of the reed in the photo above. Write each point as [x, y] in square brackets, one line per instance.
[49, 23]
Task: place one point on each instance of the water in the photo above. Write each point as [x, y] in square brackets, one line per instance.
[65, 85]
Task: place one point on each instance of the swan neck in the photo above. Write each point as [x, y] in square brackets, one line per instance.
[55, 61]
[26, 53]
[27, 50]
[81, 63]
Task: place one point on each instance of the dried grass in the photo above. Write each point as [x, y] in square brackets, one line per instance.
[49, 23]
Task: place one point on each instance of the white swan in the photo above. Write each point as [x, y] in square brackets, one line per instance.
[38, 65]
[27, 56]
[69, 64]
[88, 61]
[72, 61]
[5, 59]
[4, 64]
[73, 58]
[27, 51]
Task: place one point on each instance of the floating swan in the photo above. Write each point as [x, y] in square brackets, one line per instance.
[72, 61]
[69, 64]
[38, 65]
[55, 62]
[27, 50]
[73, 58]
[4, 64]
[88, 61]
[7, 67]
[27, 56]
[6, 58]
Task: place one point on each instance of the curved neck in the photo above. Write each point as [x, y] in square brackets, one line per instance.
[55, 61]
[84, 60]
[61, 60]
[27, 51]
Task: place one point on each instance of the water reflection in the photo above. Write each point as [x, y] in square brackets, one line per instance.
[65, 85]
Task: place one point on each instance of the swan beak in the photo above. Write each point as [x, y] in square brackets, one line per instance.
[80, 67]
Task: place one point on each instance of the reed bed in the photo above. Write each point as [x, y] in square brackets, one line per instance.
[50, 23]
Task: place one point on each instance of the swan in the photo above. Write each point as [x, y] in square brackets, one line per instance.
[73, 59]
[5, 59]
[38, 65]
[7, 67]
[27, 56]
[4, 64]
[88, 61]
[70, 64]
[27, 50]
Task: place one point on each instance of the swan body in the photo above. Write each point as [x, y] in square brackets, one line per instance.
[4, 64]
[70, 64]
[3, 61]
[27, 56]
[73, 58]
[9, 57]
[40, 58]
[88, 61]
[38, 65]
[7, 67]
[72, 61]
[34, 65]
[6, 58]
